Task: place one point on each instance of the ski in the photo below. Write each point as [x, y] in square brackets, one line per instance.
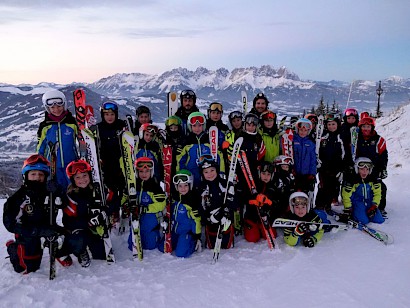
[129, 123]
[91, 139]
[270, 236]
[89, 116]
[287, 142]
[354, 135]
[172, 103]
[127, 150]
[313, 226]
[213, 141]
[229, 195]
[319, 133]
[282, 124]
[244, 102]
[381, 236]
[167, 157]
[80, 115]
[52, 244]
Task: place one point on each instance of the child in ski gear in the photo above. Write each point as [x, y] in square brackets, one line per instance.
[270, 135]
[148, 147]
[313, 119]
[27, 215]
[214, 212]
[186, 220]
[236, 121]
[260, 104]
[143, 117]
[85, 220]
[283, 184]
[151, 203]
[58, 125]
[215, 112]
[371, 145]
[110, 155]
[197, 144]
[303, 233]
[361, 196]
[331, 154]
[253, 227]
[350, 122]
[304, 157]
[188, 106]
[175, 138]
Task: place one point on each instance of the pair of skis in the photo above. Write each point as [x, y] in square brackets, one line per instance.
[313, 226]
[89, 150]
[267, 228]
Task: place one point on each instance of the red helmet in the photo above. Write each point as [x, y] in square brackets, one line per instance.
[77, 166]
[144, 162]
[147, 127]
[367, 121]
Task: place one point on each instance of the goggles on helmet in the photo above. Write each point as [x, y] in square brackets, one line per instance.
[199, 119]
[79, 166]
[305, 125]
[299, 201]
[181, 178]
[235, 114]
[367, 121]
[187, 93]
[205, 158]
[267, 168]
[172, 121]
[215, 107]
[283, 160]
[330, 117]
[351, 112]
[252, 120]
[110, 106]
[266, 115]
[147, 164]
[54, 102]
[364, 164]
[311, 117]
[35, 159]
[152, 129]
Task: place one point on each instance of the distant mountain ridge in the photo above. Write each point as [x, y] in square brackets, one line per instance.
[21, 110]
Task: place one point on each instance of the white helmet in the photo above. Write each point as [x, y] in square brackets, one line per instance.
[362, 162]
[54, 97]
[298, 196]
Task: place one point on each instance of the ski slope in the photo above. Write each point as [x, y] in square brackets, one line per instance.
[346, 269]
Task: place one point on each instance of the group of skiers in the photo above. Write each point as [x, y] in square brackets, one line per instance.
[344, 155]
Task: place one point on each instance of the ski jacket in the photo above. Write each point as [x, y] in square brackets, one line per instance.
[185, 214]
[304, 155]
[223, 129]
[361, 192]
[150, 196]
[331, 153]
[271, 140]
[195, 148]
[183, 115]
[65, 132]
[292, 239]
[110, 151]
[374, 148]
[283, 183]
[152, 150]
[27, 210]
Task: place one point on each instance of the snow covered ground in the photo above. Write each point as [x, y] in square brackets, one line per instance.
[346, 269]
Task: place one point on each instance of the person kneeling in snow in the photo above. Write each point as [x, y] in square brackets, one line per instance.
[303, 232]
[361, 197]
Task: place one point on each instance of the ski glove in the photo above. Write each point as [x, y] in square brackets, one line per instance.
[45, 241]
[99, 219]
[383, 174]
[372, 211]
[309, 242]
[301, 228]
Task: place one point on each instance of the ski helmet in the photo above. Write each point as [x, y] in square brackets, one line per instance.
[367, 121]
[266, 166]
[77, 166]
[260, 96]
[362, 162]
[109, 106]
[142, 109]
[283, 160]
[147, 127]
[187, 94]
[251, 118]
[183, 176]
[196, 117]
[332, 117]
[235, 114]
[298, 198]
[144, 163]
[311, 117]
[350, 112]
[35, 162]
[206, 161]
[54, 97]
[173, 120]
[303, 122]
[215, 106]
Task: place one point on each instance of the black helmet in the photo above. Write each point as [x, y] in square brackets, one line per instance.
[187, 94]
[260, 96]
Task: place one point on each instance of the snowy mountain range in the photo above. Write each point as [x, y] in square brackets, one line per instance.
[21, 110]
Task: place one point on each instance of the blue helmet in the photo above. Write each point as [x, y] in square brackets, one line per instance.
[36, 162]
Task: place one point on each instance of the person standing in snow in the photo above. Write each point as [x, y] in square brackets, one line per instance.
[188, 106]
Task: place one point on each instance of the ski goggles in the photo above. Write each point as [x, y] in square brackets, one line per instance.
[364, 164]
[305, 125]
[152, 129]
[267, 168]
[267, 115]
[79, 166]
[181, 178]
[205, 158]
[35, 159]
[173, 121]
[330, 117]
[197, 119]
[252, 120]
[283, 160]
[235, 114]
[187, 93]
[54, 102]
[300, 202]
[367, 121]
[351, 112]
[141, 165]
[312, 118]
[215, 107]
[110, 106]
